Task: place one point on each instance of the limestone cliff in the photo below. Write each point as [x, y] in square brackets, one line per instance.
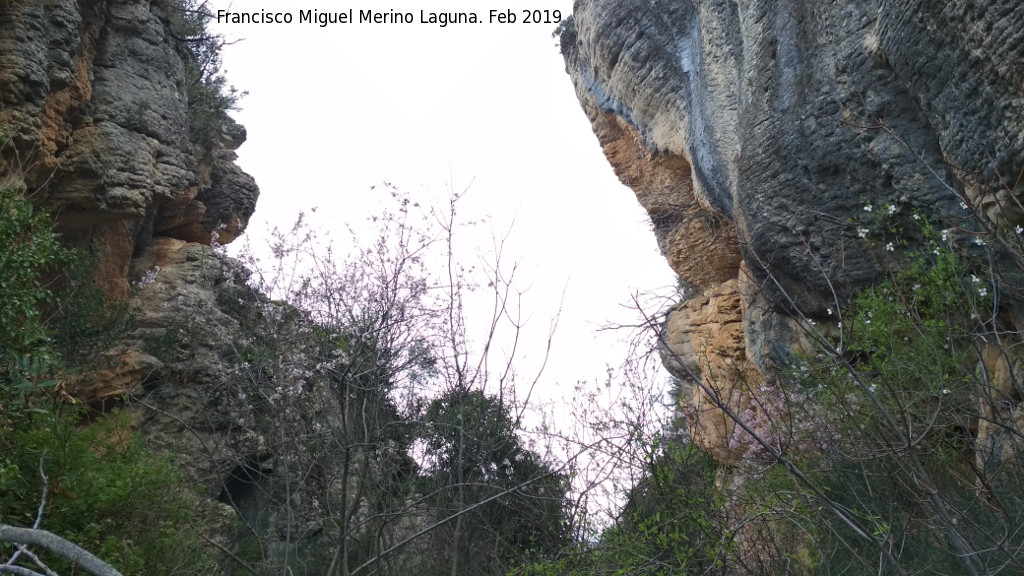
[760, 135]
[95, 102]
[104, 126]
[98, 129]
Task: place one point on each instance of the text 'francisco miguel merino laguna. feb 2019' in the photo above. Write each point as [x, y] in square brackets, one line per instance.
[352, 16]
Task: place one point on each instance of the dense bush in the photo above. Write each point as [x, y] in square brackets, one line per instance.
[92, 483]
[670, 525]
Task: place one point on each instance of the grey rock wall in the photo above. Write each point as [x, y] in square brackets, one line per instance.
[94, 104]
[794, 137]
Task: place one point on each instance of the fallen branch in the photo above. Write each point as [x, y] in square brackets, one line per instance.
[55, 544]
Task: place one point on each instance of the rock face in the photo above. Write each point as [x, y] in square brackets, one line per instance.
[94, 103]
[252, 398]
[96, 128]
[776, 143]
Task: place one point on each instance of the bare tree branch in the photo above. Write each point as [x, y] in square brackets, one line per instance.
[57, 545]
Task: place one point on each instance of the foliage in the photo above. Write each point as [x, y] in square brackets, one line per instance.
[375, 406]
[209, 94]
[104, 491]
[91, 483]
[893, 445]
[473, 453]
[29, 252]
[911, 393]
[668, 526]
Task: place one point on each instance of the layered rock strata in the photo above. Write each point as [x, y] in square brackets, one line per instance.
[94, 104]
[774, 143]
[96, 129]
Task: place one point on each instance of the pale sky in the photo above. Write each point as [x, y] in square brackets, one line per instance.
[334, 110]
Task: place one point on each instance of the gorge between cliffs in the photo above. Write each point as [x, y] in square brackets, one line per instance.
[837, 187]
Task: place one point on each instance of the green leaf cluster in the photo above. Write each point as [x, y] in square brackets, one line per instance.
[669, 526]
[29, 253]
[104, 491]
[92, 483]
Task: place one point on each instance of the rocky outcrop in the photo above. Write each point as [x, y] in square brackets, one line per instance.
[777, 146]
[94, 102]
[98, 128]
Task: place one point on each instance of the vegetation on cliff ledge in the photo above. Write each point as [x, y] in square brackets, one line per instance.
[93, 483]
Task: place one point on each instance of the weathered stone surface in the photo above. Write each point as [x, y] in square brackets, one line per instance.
[705, 346]
[254, 399]
[94, 102]
[699, 243]
[795, 137]
[94, 111]
[127, 369]
[1000, 410]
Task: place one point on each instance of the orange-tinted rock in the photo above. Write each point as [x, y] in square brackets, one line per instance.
[699, 242]
[126, 371]
[94, 106]
[705, 346]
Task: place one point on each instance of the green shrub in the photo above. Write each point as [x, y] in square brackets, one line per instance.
[897, 389]
[669, 525]
[29, 251]
[98, 486]
[105, 492]
[209, 94]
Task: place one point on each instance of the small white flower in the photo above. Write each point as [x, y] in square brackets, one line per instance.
[974, 316]
[829, 311]
[873, 387]
[975, 279]
[936, 251]
[862, 232]
[867, 321]
[945, 235]
[839, 325]
[979, 241]
[889, 247]
[916, 217]
[812, 323]
[891, 209]
[983, 292]
[867, 208]
[1019, 229]
[945, 390]
[963, 205]
[917, 287]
